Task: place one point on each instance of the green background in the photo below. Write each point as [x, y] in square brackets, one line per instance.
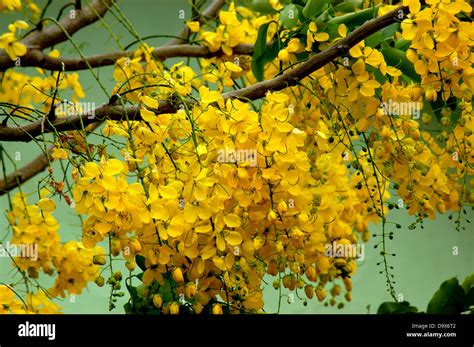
[424, 258]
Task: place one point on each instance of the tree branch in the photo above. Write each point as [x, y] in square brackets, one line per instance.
[51, 35]
[37, 58]
[210, 12]
[30, 170]
[174, 48]
[40, 163]
[37, 165]
[253, 92]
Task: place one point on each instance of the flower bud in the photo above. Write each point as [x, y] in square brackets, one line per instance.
[336, 290]
[217, 309]
[117, 275]
[190, 290]
[282, 207]
[157, 300]
[309, 291]
[99, 260]
[347, 283]
[178, 275]
[115, 247]
[320, 293]
[198, 307]
[130, 264]
[311, 273]
[258, 242]
[100, 281]
[271, 216]
[174, 308]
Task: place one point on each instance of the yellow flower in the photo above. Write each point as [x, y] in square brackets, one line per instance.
[174, 308]
[312, 36]
[157, 300]
[11, 46]
[209, 97]
[194, 26]
[6, 295]
[276, 5]
[217, 309]
[413, 5]
[212, 40]
[10, 5]
[21, 24]
[72, 81]
[149, 102]
[47, 205]
[59, 153]
[178, 275]
[342, 30]
[294, 46]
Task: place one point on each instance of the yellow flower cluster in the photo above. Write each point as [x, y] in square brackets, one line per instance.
[224, 196]
[75, 267]
[35, 225]
[441, 47]
[17, 5]
[9, 41]
[237, 25]
[35, 228]
[210, 199]
[10, 5]
[35, 90]
[34, 303]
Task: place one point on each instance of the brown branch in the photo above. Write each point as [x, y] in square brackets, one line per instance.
[37, 58]
[209, 13]
[253, 92]
[51, 35]
[30, 170]
[40, 163]
[37, 165]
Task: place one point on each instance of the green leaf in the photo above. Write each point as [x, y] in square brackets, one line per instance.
[154, 311]
[289, 16]
[402, 44]
[396, 308]
[332, 30]
[468, 287]
[140, 260]
[468, 283]
[353, 20]
[374, 40]
[397, 58]
[313, 8]
[330, 24]
[470, 299]
[386, 33]
[322, 19]
[348, 7]
[262, 54]
[449, 299]
[166, 290]
[389, 31]
[133, 292]
[128, 308]
[134, 299]
[301, 17]
[439, 104]
[261, 6]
